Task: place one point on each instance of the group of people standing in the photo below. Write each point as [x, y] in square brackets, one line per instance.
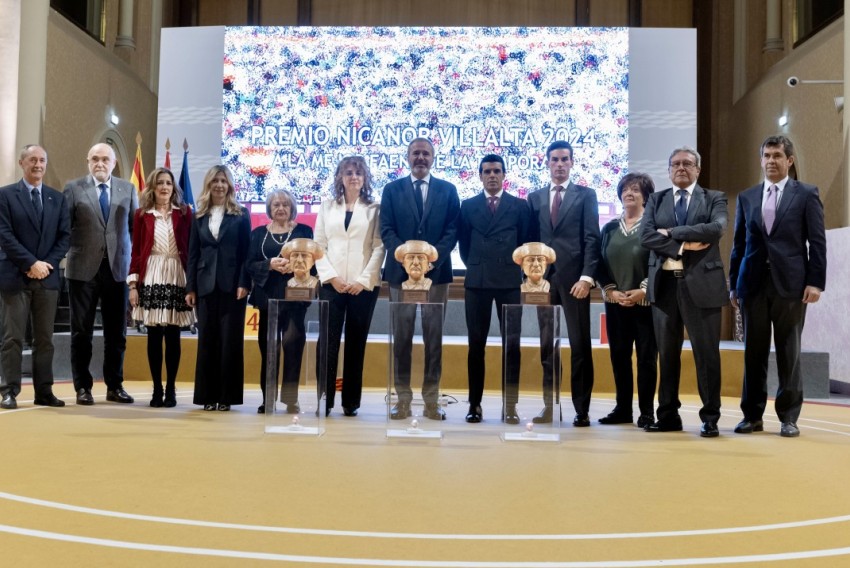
[658, 266]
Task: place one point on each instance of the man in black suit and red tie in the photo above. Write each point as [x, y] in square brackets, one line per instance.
[566, 216]
[34, 237]
[492, 225]
[778, 267]
[682, 227]
[423, 208]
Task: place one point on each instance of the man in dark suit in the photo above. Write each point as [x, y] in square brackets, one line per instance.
[682, 227]
[778, 266]
[567, 217]
[101, 208]
[34, 232]
[419, 207]
[492, 224]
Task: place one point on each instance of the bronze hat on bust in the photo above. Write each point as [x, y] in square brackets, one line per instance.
[534, 249]
[308, 246]
[416, 247]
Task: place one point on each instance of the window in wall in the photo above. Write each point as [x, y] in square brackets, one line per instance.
[88, 15]
[811, 16]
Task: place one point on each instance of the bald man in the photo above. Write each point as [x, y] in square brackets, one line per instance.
[101, 209]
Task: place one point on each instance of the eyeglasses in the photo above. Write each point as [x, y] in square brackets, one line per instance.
[686, 165]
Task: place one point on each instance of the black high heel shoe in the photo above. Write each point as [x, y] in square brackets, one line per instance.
[170, 398]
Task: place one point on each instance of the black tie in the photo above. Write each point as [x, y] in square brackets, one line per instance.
[417, 195]
[682, 207]
[36, 203]
[104, 201]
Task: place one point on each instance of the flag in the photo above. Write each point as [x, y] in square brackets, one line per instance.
[138, 177]
[167, 154]
[185, 183]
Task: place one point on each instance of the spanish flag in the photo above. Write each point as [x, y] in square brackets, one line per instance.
[138, 177]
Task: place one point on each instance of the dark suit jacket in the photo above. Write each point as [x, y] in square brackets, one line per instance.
[794, 265]
[401, 222]
[706, 223]
[23, 241]
[91, 236]
[575, 237]
[487, 241]
[219, 263]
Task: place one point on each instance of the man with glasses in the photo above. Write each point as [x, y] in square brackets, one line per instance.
[682, 227]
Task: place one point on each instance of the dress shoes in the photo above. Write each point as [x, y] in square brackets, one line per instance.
[118, 395]
[709, 430]
[84, 397]
[9, 402]
[787, 430]
[48, 399]
[209, 407]
[224, 407]
[544, 417]
[170, 400]
[582, 421]
[156, 400]
[510, 416]
[474, 415]
[433, 411]
[644, 420]
[674, 425]
[749, 426]
[261, 409]
[293, 408]
[349, 411]
[616, 418]
[400, 411]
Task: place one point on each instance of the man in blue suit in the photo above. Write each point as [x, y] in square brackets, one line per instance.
[492, 225]
[419, 207]
[34, 236]
[778, 267]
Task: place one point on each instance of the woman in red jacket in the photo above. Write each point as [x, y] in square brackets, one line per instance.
[157, 277]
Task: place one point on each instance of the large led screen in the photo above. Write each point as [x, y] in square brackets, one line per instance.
[296, 100]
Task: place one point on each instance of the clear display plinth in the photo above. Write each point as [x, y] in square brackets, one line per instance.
[296, 367]
[531, 401]
[415, 366]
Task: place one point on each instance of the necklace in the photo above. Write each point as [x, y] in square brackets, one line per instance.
[274, 238]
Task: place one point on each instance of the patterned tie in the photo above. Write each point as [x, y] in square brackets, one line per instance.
[36, 203]
[769, 210]
[417, 195]
[104, 201]
[682, 207]
[492, 203]
[556, 205]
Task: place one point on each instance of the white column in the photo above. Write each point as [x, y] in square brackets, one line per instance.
[10, 42]
[846, 188]
[156, 37]
[32, 72]
[125, 25]
[773, 32]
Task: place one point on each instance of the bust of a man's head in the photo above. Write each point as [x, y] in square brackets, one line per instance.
[534, 259]
[416, 257]
[302, 254]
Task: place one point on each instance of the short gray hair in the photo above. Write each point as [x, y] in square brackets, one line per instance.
[687, 149]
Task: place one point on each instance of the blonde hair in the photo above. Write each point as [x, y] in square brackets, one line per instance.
[231, 206]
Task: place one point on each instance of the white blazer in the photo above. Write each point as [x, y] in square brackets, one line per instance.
[355, 254]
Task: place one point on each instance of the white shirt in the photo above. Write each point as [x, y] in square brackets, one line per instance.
[108, 184]
[216, 217]
[426, 182]
[780, 187]
[670, 263]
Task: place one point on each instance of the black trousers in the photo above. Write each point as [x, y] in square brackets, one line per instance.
[354, 314]
[630, 327]
[478, 303]
[672, 312]
[291, 336]
[219, 371]
[786, 316]
[83, 298]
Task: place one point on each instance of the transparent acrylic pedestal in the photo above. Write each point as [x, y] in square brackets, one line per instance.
[415, 367]
[296, 367]
[531, 402]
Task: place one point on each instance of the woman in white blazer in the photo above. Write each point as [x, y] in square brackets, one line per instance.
[348, 228]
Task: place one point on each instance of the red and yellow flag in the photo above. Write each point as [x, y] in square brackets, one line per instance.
[138, 177]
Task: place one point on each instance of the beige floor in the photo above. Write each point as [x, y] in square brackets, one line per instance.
[116, 485]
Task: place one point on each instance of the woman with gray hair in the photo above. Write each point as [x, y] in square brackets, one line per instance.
[270, 273]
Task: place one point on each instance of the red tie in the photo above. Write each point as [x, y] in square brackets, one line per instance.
[492, 203]
[556, 206]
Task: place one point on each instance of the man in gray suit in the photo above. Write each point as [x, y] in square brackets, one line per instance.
[682, 227]
[101, 209]
[33, 240]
